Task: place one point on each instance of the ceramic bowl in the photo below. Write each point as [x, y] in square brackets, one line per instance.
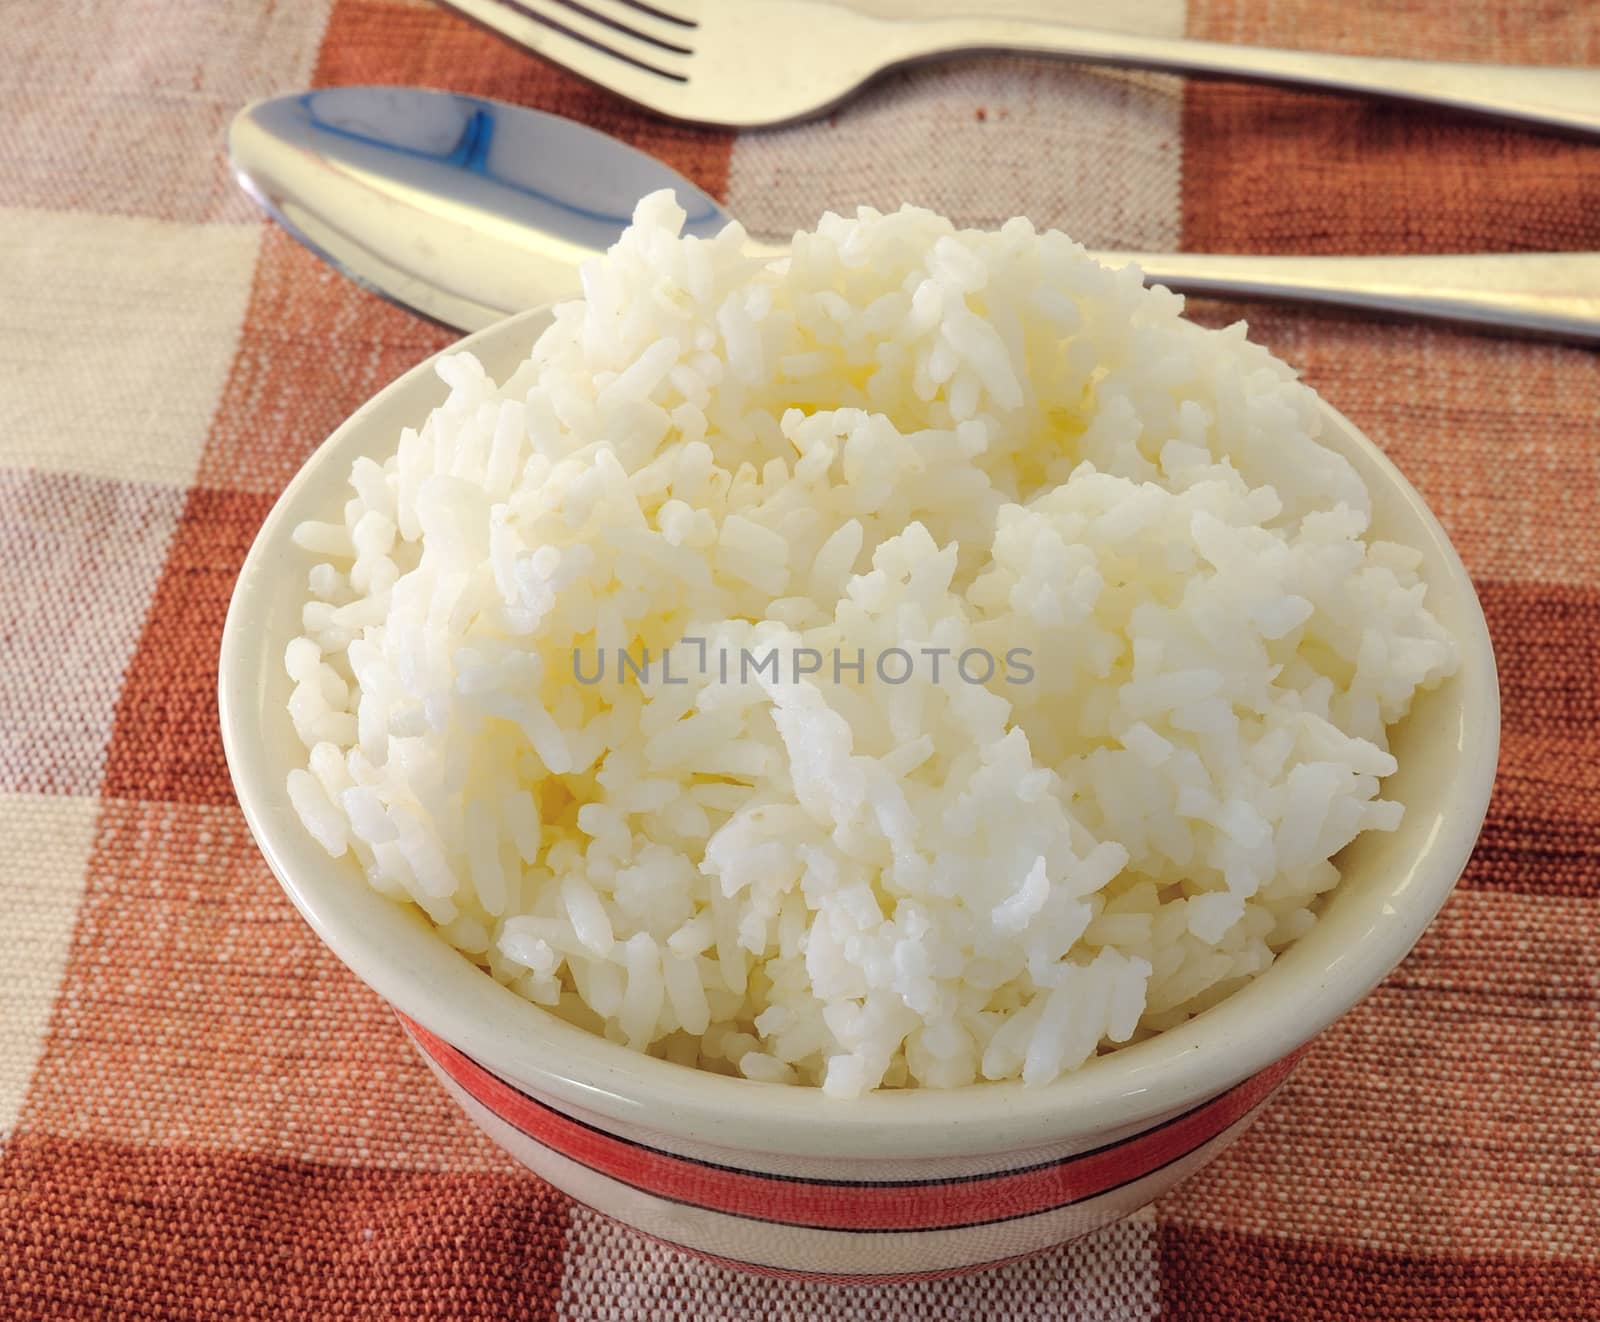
[895, 1185]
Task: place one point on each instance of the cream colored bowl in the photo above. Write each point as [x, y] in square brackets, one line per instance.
[896, 1184]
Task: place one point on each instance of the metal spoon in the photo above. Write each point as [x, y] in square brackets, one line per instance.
[467, 210]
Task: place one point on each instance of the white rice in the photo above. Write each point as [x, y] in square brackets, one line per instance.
[906, 437]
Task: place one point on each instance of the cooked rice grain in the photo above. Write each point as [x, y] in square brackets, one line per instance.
[977, 448]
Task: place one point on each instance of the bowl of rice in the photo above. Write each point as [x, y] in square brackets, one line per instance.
[862, 766]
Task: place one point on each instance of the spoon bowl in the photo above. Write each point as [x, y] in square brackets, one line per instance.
[460, 208]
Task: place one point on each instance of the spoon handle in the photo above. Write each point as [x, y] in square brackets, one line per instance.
[1555, 295]
[1551, 295]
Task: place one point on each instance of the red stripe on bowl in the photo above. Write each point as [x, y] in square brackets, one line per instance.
[838, 1205]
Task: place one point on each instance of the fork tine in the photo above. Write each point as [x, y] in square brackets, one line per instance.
[584, 53]
[630, 26]
[643, 8]
[578, 22]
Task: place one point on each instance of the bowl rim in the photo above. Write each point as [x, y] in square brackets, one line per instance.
[531, 1048]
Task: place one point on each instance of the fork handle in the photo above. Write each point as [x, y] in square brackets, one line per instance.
[1550, 295]
[1567, 98]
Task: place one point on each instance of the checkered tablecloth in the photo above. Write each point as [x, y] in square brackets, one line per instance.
[203, 1115]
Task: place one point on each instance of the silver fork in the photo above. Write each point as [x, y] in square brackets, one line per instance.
[751, 63]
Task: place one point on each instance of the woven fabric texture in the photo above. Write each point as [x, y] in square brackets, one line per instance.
[203, 1115]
